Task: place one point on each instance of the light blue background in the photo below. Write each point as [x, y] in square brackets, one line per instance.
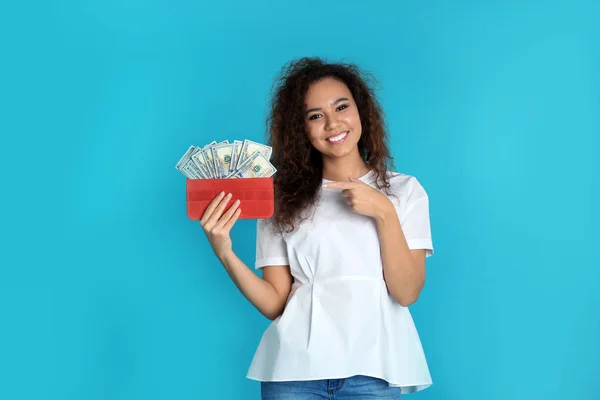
[107, 291]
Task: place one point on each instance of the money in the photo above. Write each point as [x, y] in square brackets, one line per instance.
[181, 164]
[222, 159]
[255, 166]
[201, 163]
[249, 147]
[192, 170]
[235, 155]
[226, 160]
[210, 162]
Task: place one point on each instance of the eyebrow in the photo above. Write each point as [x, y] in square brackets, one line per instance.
[333, 104]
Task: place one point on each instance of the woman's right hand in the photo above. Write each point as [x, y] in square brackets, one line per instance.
[217, 224]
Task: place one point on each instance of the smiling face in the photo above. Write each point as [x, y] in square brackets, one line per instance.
[332, 119]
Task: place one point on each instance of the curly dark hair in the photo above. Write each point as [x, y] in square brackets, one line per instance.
[299, 165]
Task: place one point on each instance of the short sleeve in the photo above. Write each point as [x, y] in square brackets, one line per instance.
[270, 247]
[415, 219]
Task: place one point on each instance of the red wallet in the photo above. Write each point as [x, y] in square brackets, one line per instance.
[255, 195]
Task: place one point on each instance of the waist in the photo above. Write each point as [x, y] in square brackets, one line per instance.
[333, 279]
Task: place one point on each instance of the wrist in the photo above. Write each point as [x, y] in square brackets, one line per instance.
[385, 213]
[225, 257]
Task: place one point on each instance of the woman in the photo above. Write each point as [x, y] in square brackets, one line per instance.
[344, 254]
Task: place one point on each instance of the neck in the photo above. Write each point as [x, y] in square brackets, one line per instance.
[341, 169]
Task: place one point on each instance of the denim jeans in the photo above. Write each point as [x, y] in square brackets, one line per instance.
[354, 388]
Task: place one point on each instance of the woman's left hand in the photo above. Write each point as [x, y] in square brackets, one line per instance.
[363, 199]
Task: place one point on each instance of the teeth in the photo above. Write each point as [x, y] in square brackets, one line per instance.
[338, 137]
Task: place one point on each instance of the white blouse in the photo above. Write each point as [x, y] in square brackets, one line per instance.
[340, 319]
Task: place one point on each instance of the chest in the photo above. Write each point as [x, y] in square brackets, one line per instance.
[334, 240]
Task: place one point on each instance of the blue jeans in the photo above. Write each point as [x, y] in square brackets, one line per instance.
[354, 388]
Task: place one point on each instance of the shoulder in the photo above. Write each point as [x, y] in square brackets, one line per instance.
[402, 184]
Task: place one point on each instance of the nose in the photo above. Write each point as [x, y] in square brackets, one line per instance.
[331, 123]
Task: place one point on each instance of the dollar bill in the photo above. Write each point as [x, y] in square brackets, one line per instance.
[186, 156]
[192, 171]
[188, 174]
[249, 147]
[184, 160]
[235, 154]
[255, 166]
[208, 156]
[222, 159]
[240, 159]
[197, 169]
[200, 161]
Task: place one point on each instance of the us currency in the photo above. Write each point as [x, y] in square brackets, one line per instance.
[222, 159]
[226, 160]
[192, 171]
[210, 162]
[255, 166]
[180, 166]
[201, 163]
[235, 155]
[250, 147]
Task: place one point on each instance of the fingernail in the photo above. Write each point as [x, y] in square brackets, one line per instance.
[237, 202]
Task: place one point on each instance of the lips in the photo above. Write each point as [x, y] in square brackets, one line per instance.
[338, 137]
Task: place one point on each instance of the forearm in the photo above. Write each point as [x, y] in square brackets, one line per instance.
[403, 277]
[259, 292]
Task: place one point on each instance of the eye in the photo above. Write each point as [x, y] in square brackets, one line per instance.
[340, 108]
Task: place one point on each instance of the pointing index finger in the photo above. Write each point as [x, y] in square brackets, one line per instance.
[339, 185]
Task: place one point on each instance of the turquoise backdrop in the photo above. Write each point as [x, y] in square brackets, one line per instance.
[108, 291]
